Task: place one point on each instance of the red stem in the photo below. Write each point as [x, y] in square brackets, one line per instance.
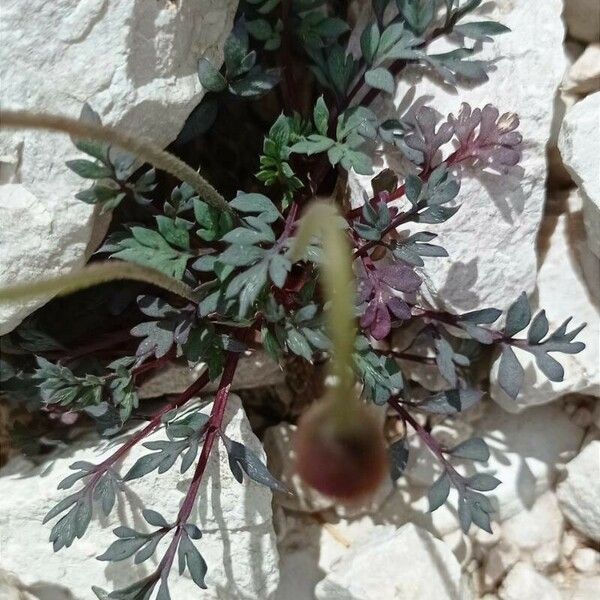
[154, 423]
[213, 429]
[428, 439]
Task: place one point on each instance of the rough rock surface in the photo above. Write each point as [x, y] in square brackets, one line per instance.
[537, 532]
[256, 370]
[134, 62]
[584, 75]
[238, 541]
[568, 284]
[583, 19]
[578, 494]
[402, 564]
[491, 240]
[524, 583]
[579, 145]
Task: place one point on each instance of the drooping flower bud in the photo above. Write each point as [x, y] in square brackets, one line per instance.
[342, 456]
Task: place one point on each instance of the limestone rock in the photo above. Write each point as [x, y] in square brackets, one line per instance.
[134, 63]
[525, 583]
[586, 560]
[583, 19]
[579, 145]
[578, 494]
[568, 284]
[491, 240]
[497, 562]
[583, 587]
[537, 532]
[584, 75]
[255, 370]
[402, 564]
[238, 541]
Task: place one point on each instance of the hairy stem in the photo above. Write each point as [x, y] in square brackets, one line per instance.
[144, 149]
[322, 220]
[93, 275]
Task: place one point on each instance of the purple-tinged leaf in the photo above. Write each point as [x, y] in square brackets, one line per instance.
[426, 138]
[377, 287]
[487, 137]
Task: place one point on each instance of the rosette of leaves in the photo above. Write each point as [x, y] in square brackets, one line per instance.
[242, 289]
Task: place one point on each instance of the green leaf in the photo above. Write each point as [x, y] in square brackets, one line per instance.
[88, 169]
[510, 373]
[472, 449]
[398, 455]
[538, 329]
[154, 518]
[209, 76]
[369, 42]
[481, 29]
[321, 116]
[313, 144]
[450, 401]
[254, 203]
[518, 316]
[438, 492]
[297, 343]
[189, 556]
[380, 79]
[241, 456]
[259, 29]
[173, 232]
[483, 482]
[149, 248]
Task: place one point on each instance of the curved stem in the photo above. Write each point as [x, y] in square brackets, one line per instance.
[144, 149]
[93, 275]
[322, 219]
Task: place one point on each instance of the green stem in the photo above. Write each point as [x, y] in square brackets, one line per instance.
[322, 219]
[93, 275]
[144, 149]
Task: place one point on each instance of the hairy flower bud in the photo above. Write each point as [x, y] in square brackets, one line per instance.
[342, 456]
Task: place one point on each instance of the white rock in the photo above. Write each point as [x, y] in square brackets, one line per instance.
[583, 587]
[578, 494]
[255, 370]
[402, 564]
[310, 547]
[134, 62]
[497, 562]
[568, 285]
[584, 75]
[238, 541]
[570, 542]
[586, 560]
[583, 19]
[537, 532]
[12, 589]
[525, 583]
[491, 240]
[579, 145]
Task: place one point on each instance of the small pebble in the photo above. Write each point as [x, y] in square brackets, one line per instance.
[586, 560]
